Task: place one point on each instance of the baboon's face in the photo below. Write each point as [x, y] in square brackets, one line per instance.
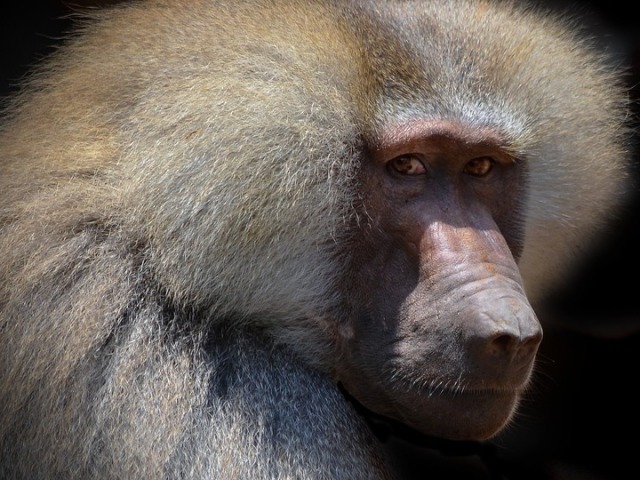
[443, 337]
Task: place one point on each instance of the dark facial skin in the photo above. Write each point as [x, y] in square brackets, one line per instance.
[445, 339]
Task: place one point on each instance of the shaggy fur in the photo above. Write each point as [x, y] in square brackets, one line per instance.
[180, 202]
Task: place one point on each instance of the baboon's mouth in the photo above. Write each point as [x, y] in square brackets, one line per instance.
[469, 392]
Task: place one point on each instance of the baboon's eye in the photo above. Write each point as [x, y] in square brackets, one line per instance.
[479, 167]
[407, 165]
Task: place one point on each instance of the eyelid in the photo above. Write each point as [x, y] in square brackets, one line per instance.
[409, 164]
[492, 162]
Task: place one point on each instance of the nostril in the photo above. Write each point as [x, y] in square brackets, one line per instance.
[534, 339]
[531, 343]
[502, 344]
[512, 345]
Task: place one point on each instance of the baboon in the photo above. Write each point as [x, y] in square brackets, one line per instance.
[228, 228]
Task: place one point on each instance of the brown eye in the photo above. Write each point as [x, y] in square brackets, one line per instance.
[407, 165]
[479, 167]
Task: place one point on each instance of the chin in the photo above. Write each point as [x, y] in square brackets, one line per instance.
[473, 415]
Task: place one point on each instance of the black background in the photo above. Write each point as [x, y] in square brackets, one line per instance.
[581, 420]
